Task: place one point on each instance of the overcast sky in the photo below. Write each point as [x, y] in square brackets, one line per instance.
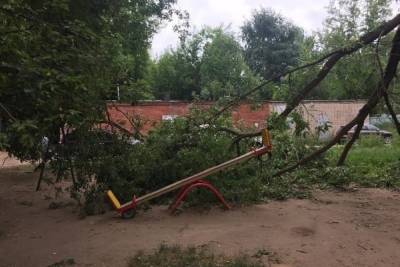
[308, 14]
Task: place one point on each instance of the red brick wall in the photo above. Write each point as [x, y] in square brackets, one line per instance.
[152, 112]
[249, 115]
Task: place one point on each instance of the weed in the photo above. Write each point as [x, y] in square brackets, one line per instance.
[175, 256]
[53, 205]
[25, 203]
[371, 141]
[368, 164]
[64, 263]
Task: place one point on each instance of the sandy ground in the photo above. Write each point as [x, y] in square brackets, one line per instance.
[7, 161]
[360, 228]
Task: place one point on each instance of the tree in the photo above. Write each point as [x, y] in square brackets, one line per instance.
[208, 65]
[375, 13]
[271, 43]
[223, 70]
[60, 60]
[326, 64]
[356, 75]
[176, 74]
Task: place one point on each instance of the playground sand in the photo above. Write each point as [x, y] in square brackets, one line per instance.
[359, 228]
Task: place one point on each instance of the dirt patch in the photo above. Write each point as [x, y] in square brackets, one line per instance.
[360, 228]
[303, 231]
[6, 161]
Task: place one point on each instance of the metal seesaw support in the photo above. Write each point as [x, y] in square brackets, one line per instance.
[185, 190]
[127, 210]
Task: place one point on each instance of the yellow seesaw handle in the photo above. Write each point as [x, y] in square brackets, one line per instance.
[113, 199]
[266, 139]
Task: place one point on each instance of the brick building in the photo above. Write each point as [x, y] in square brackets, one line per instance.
[315, 112]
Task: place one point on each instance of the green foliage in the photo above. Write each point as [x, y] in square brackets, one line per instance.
[223, 70]
[175, 256]
[174, 150]
[175, 76]
[180, 148]
[208, 64]
[355, 76]
[271, 43]
[287, 150]
[60, 61]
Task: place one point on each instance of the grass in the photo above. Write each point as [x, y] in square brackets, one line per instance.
[64, 263]
[175, 256]
[372, 163]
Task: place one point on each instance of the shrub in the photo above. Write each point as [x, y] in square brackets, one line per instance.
[172, 151]
[180, 148]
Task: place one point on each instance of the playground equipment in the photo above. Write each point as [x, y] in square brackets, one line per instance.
[128, 210]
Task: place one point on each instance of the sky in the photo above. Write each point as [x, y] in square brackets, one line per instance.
[309, 14]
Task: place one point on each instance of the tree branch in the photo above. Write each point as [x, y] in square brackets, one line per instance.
[7, 112]
[389, 74]
[276, 77]
[391, 111]
[333, 57]
[119, 127]
[385, 93]
[350, 144]
[366, 39]
[135, 128]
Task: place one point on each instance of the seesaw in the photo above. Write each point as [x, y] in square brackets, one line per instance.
[128, 210]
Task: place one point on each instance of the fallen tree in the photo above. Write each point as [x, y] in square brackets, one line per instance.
[330, 61]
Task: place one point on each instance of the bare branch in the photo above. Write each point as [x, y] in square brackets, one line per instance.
[389, 74]
[276, 77]
[391, 111]
[366, 39]
[135, 127]
[119, 127]
[385, 93]
[333, 57]
[350, 144]
[7, 112]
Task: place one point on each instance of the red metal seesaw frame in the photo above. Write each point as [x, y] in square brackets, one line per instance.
[189, 183]
[182, 194]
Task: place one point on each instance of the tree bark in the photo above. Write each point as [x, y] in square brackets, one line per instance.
[366, 39]
[42, 167]
[391, 111]
[350, 144]
[389, 74]
[332, 58]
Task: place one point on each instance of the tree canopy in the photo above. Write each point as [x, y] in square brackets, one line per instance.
[60, 60]
[271, 43]
[207, 65]
[356, 75]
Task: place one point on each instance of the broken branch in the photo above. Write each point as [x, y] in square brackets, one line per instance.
[389, 74]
